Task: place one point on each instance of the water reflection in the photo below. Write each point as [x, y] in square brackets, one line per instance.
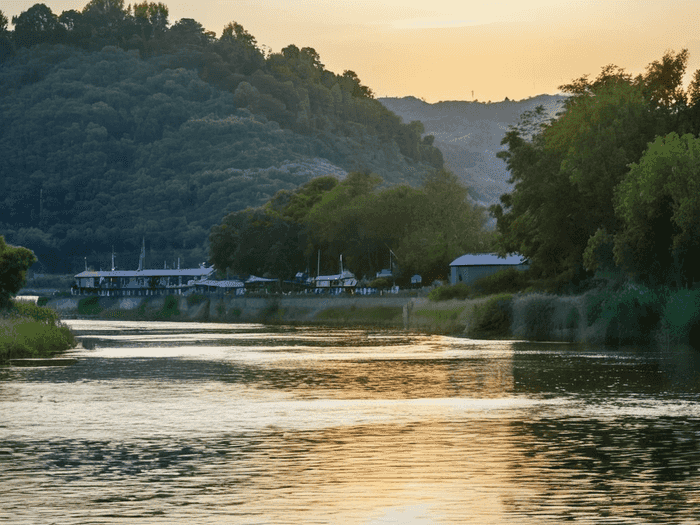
[167, 423]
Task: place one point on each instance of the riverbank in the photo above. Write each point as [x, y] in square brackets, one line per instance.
[414, 313]
[28, 331]
[598, 316]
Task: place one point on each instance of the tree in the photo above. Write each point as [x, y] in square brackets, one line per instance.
[658, 203]
[3, 24]
[151, 17]
[234, 32]
[6, 49]
[34, 26]
[578, 159]
[14, 263]
[663, 80]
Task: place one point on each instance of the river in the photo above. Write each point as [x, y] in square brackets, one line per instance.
[191, 423]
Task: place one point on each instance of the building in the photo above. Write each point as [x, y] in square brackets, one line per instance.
[472, 266]
[139, 282]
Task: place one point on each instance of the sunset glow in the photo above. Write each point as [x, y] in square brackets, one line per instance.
[455, 50]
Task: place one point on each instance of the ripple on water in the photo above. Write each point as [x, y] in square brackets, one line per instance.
[171, 423]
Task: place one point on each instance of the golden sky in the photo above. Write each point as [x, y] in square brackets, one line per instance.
[449, 49]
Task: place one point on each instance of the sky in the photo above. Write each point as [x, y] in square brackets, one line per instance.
[455, 49]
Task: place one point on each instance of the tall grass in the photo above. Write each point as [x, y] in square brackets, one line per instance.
[28, 330]
[492, 318]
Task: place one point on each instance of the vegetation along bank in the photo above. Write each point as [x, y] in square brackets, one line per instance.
[26, 330]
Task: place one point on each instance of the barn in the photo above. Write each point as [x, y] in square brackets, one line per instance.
[472, 266]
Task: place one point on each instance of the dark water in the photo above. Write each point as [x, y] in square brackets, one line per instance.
[201, 423]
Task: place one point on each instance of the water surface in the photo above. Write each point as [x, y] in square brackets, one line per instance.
[210, 423]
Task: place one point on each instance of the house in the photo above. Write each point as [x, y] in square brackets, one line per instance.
[472, 266]
[139, 282]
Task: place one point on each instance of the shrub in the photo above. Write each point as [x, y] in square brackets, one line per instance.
[504, 281]
[447, 292]
[27, 330]
[624, 313]
[533, 316]
[380, 283]
[492, 318]
[681, 315]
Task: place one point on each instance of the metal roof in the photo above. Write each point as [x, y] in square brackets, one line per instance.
[221, 284]
[185, 272]
[487, 259]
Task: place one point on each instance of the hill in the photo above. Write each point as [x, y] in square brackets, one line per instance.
[469, 135]
[118, 127]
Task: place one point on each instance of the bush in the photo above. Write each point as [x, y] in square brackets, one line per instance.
[624, 313]
[504, 281]
[447, 292]
[681, 315]
[380, 283]
[493, 318]
[533, 315]
[27, 330]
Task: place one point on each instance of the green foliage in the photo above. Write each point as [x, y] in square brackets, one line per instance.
[658, 203]
[130, 127]
[448, 292]
[14, 263]
[89, 305]
[681, 314]
[425, 228]
[580, 159]
[381, 283]
[27, 330]
[626, 313]
[492, 319]
[504, 281]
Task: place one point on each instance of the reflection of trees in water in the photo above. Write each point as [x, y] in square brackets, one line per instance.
[615, 453]
[553, 369]
[632, 467]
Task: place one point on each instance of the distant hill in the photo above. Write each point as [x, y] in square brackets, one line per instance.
[469, 135]
[117, 127]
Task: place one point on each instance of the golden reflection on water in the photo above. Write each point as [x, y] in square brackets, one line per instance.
[171, 422]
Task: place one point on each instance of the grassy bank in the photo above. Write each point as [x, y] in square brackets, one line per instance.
[611, 311]
[31, 331]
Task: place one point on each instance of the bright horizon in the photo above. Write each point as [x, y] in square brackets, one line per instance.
[455, 50]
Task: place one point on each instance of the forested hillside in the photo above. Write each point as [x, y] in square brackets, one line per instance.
[469, 134]
[118, 125]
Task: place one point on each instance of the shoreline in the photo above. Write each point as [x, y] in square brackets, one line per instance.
[528, 317]
[410, 313]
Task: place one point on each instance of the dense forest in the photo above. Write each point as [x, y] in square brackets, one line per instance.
[118, 126]
[415, 230]
[612, 184]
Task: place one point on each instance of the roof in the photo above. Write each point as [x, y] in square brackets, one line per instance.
[185, 272]
[488, 259]
[221, 284]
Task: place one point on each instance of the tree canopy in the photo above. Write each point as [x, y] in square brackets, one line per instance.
[118, 124]
[424, 228]
[14, 263]
[578, 178]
